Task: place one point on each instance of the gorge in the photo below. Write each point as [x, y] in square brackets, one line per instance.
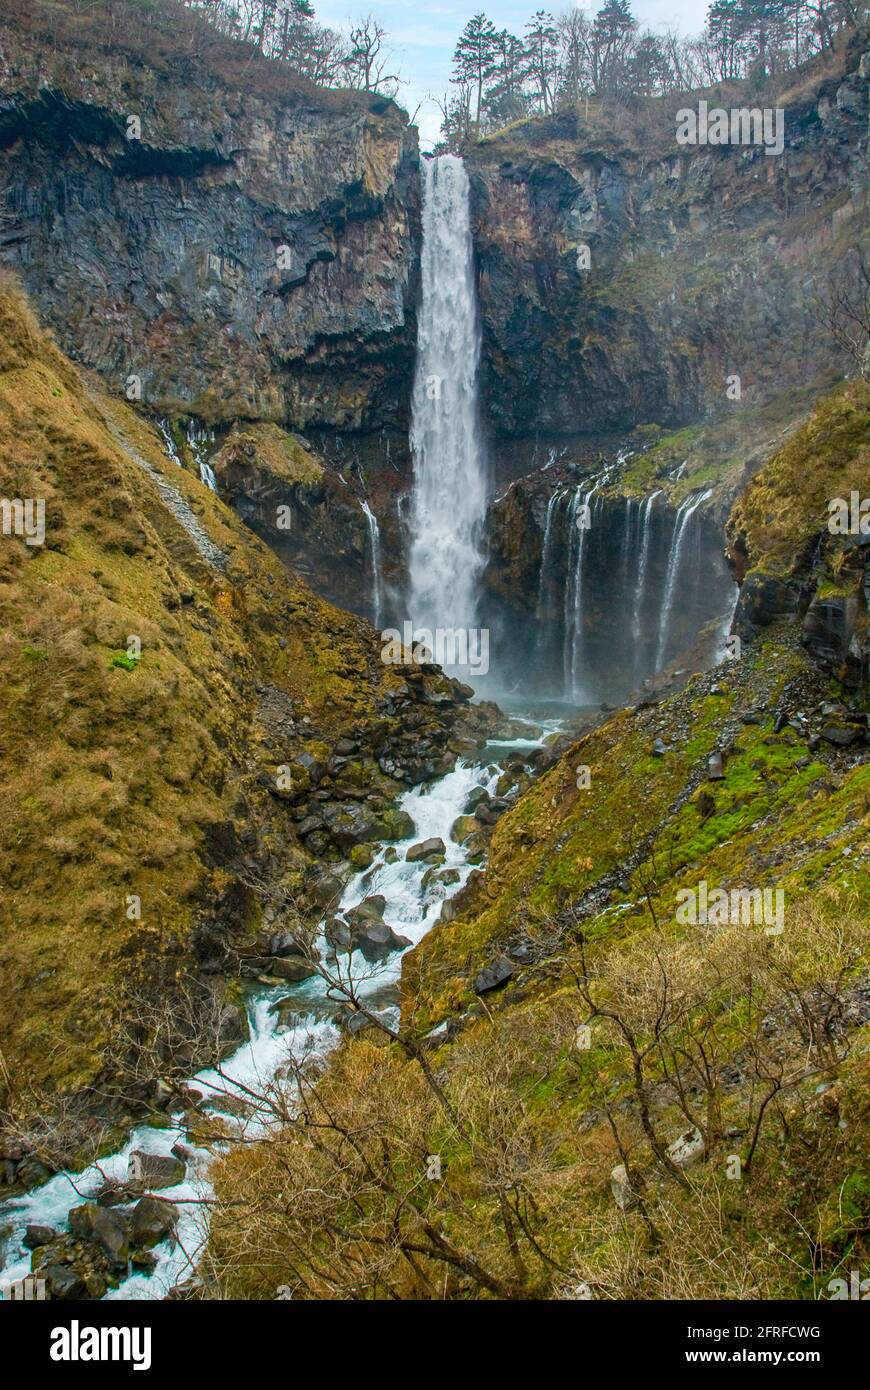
[334, 969]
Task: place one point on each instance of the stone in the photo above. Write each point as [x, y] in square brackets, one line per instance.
[396, 825]
[35, 1236]
[448, 877]
[155, 1170]
[377, 940]
[840, 735]
[463, 827]
[371, 909]
[104, 1227]
[474, 798]
[623, 1193]
[350, 823]
[715, 767]
[493, 976]
[152, 1221]
[63, 1282]
[284, 943]
[338, 933]
[290, 968]
[427, 850]
[488, 812]
[659, 748]
[688, 1149]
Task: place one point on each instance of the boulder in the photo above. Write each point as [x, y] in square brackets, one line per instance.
[377, 940]
[462, 827]
[488, 812]
[104, 1227]
[623, 1193]
[841, 735]
[493, 976]
[338, 933]
[448, 877]
[474, 798]
[687, 1149]
[428, 850]
[715, 767]
[155, 1170]
[290, 968]
[152, 1221]
[396, 825]
[35, 1236]
[371, 909]
[351, 823]
[285, 943]
[63, 1282]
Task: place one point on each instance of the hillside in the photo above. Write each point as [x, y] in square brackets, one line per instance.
[160, 667]
[625, 1106]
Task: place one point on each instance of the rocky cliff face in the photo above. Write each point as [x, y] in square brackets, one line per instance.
[703, 261]
[250, 253]
[188, 733]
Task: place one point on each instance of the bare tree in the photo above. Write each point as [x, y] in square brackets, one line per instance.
[366, 62]
[845, 309]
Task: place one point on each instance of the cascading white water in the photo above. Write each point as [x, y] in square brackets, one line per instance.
[546, 552]
[685, 512]
[412, 908]
[450, 476]
[580, 521]
[640, 590]
[377, 578]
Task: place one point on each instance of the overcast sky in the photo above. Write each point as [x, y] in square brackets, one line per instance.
[423, 34]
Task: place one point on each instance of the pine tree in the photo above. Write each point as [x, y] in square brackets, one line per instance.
[474, 59]
[542, 57]
[612, 33]
[648, 66]
[506, 99]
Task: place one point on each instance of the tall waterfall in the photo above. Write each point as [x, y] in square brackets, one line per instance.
[580, 521]
[640, 591]
[682, 529]
[448, 502]
[377, 577]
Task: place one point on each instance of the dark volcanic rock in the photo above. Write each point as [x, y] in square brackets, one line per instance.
[493, 976]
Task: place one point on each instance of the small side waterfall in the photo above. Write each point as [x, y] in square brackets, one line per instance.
[643, 563]
[449, 495]
[546, 554]
[198, 440]
[618, 589]
[375, 553]
[581, 520]
[682, 528]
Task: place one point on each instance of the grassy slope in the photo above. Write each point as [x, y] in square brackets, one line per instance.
[110, 777]
[589, 879]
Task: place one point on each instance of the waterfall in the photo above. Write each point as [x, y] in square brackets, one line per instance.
[574, 625]
[375, 546]
[450, 483]
[685, 512]
[640, 590]
[627, 537]
[197, 439]
[546, 552]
